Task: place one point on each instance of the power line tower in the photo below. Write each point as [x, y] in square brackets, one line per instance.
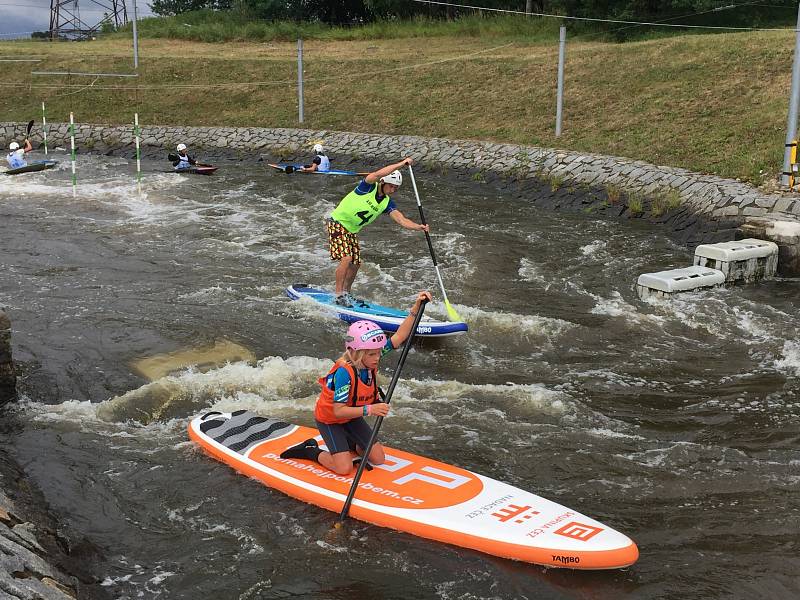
[66, 22]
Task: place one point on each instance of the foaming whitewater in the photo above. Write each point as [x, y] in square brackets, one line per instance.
[674, 421]
[596, 249]
[517, 326]
[790, 362]
[616, 306]
[277, 382]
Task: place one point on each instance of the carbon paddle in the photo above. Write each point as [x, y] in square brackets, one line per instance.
[386, 398]
[452, 314]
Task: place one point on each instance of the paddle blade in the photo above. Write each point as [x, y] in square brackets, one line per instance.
[451, 313]
[30, 126]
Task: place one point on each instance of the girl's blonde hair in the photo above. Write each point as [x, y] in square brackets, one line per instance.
[354, 358]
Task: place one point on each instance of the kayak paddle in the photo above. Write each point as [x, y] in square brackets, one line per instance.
[451, 312]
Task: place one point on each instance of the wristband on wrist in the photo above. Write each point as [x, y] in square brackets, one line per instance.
[366, 410]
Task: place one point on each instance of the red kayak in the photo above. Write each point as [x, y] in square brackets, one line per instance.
[204, 170]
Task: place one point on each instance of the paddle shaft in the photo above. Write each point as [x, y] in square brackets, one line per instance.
[379, 421]
[427, 235]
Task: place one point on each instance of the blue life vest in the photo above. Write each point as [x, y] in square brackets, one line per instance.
[183, 162]
[15, 159]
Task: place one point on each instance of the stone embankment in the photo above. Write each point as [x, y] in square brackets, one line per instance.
[37, 560]
[33, 555]
[618, 186]
[8, 380]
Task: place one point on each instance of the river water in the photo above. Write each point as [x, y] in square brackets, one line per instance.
[676, 422]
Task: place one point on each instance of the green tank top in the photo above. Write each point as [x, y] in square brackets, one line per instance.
[357, 210]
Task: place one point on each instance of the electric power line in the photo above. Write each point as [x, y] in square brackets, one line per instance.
[597, 20]
[233, 84]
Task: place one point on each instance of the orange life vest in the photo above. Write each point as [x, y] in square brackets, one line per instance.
[360, 394]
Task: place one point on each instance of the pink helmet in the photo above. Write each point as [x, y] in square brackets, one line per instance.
[364, 335]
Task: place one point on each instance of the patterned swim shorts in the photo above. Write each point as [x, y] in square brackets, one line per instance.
[342, 242]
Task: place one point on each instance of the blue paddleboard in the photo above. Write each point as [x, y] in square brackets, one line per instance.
[295, 168]
[388, 318]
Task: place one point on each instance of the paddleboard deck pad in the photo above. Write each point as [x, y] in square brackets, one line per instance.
[417, 495]
[33, 167]
[295, 168]
[389, 319]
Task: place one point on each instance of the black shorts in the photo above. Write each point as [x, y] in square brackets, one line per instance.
[343, 437]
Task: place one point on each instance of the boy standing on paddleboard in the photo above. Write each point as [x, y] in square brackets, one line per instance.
[350, 393]
[370, 199]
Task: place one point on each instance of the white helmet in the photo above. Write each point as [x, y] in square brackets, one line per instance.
[181, 147]
[13, 146]
[393, 178]
[318, 148]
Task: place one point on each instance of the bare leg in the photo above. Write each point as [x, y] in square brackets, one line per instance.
[376, 455]
[341, 462]
[345, 263]
[352, 271]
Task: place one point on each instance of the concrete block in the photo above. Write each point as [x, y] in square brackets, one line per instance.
[665, 283]
[746, 260]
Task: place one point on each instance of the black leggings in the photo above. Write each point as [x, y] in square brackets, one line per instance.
[343, 437]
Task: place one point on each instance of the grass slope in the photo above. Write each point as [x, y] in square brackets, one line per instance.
[709, 103]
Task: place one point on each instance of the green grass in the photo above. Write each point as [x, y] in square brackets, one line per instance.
[635, 204]
[210, 26]
[658, 205]
[708, 103]
[556, 181]
[614, 193]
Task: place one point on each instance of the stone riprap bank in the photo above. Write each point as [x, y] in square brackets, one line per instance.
[8, 380]
[712, 198]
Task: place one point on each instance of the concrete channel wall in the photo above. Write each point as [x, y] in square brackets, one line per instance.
[675, 197]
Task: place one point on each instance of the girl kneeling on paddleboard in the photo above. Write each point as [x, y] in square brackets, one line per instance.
[350, 393]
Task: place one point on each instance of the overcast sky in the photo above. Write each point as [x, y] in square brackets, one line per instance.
[20, 17]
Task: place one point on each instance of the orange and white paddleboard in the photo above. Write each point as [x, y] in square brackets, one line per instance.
[418, 495]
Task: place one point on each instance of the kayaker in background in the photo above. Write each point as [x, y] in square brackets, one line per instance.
[182, 160]
[16, 155]
[361, 207]
[321, 162]
[350, 393]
